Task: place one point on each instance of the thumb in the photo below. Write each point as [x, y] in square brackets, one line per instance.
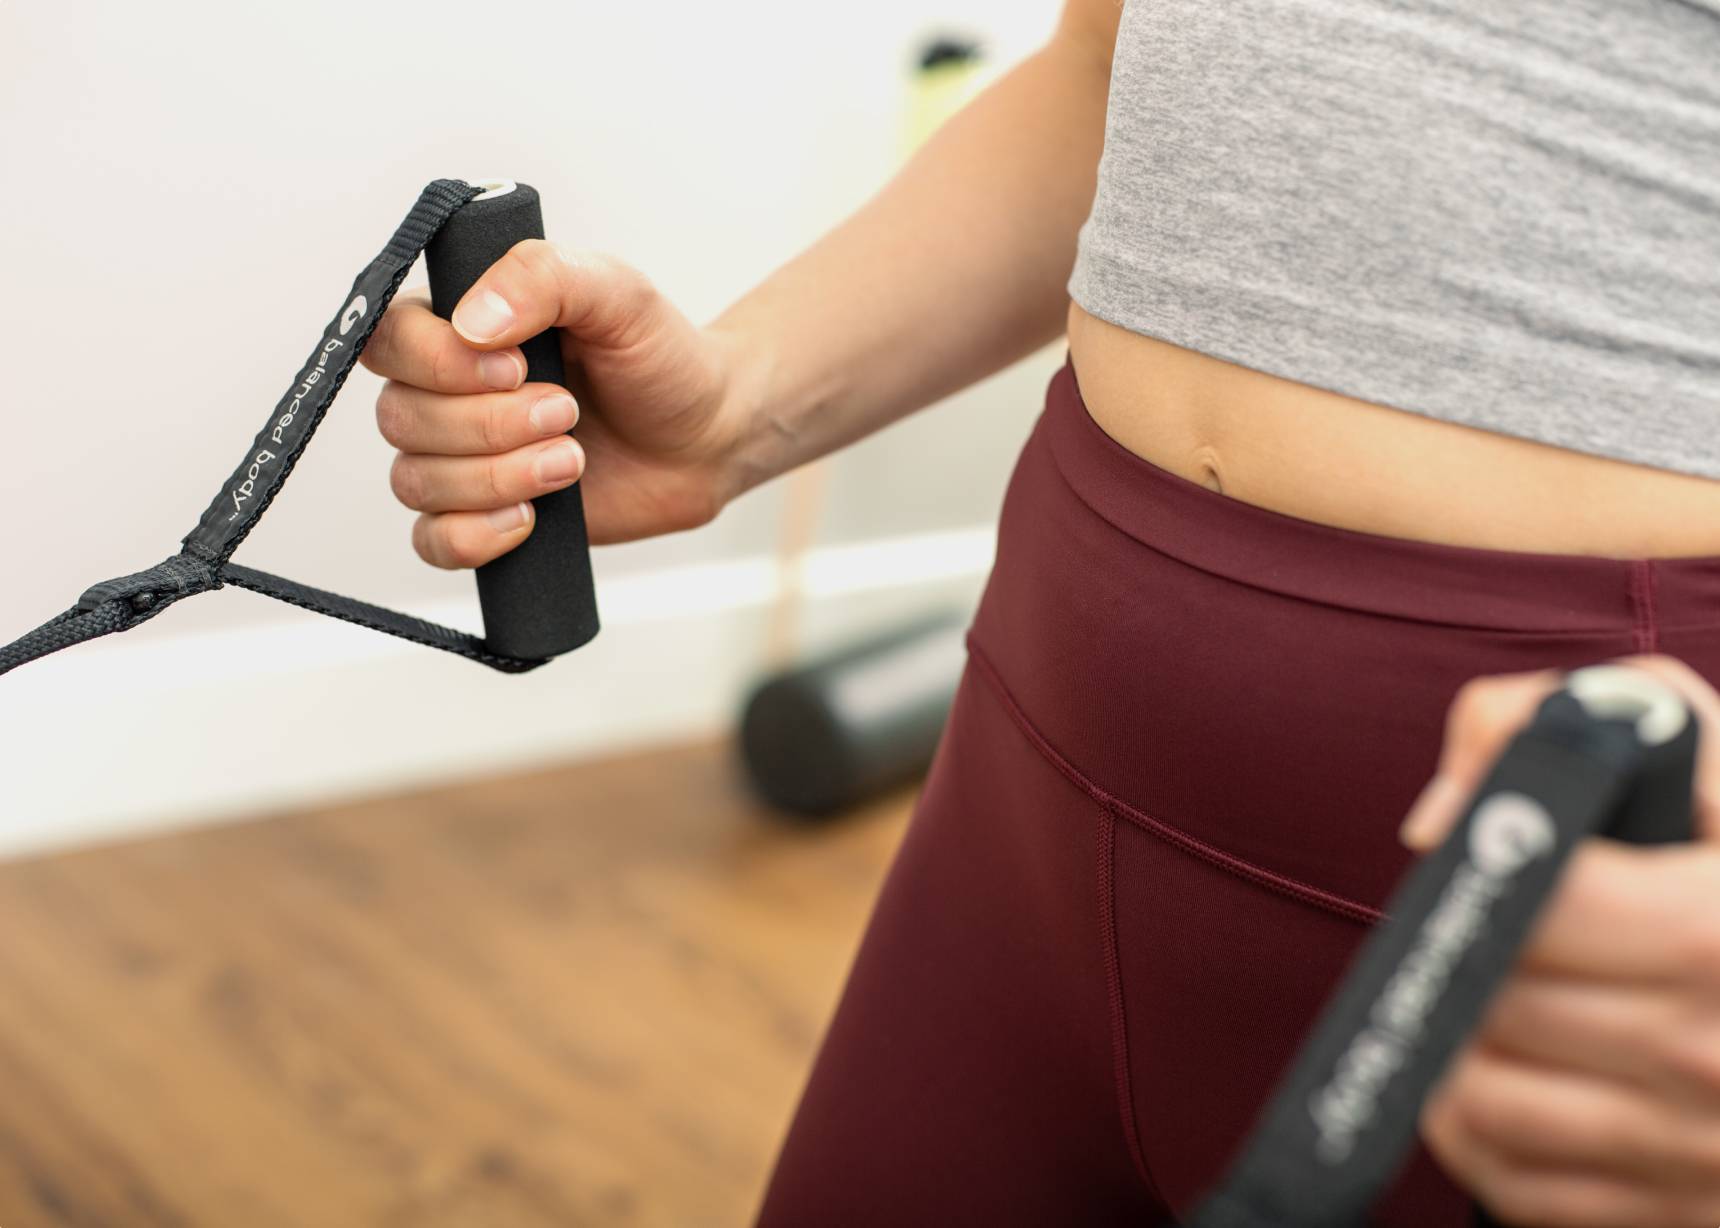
[539, 285]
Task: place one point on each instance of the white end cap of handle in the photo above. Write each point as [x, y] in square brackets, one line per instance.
[1618, 692]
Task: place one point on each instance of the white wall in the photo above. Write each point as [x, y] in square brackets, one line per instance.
[188, 190]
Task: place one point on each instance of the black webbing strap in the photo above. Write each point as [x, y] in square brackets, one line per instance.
[375, 617]
[1342, 1120]
[203, 561]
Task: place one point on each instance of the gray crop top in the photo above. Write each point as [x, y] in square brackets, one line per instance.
[1503, 213]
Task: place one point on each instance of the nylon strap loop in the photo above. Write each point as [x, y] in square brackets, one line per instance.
[202, 564]
[259, 477]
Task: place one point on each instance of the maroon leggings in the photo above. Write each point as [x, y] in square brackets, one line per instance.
[1162, 818]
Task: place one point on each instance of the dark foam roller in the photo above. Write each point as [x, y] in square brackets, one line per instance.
[538, 600]
[845, 728]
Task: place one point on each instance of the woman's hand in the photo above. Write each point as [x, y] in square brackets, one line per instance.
[652, 397]
[1591, 1093]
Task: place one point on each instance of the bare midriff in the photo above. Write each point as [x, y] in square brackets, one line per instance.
[1320, 456]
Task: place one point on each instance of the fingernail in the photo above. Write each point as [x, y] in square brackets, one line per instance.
[554, 414]
[560, 462]
[482, 318]
[507, 519]
[503, 372]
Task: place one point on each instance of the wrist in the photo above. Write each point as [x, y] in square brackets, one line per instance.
[756, 435]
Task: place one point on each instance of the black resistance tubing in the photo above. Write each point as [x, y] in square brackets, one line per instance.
[538, 599]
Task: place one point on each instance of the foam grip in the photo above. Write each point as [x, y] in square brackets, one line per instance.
[538, 599]
[1660, 807]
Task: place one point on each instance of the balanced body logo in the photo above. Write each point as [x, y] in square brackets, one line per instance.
[1510, 831]
[313, 375]
[353, 314]
[1507, 832]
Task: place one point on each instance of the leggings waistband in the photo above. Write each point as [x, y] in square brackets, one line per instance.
[1458, 585]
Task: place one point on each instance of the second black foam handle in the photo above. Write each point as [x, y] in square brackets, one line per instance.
[1659, 808]
[538, 599]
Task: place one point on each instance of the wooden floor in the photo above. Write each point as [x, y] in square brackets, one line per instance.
[586, 996]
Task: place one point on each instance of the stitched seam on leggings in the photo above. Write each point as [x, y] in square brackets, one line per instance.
[1114, 993]
[1642, 594]
[1306, 893]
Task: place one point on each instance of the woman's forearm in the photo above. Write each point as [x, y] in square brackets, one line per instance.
[957, 268]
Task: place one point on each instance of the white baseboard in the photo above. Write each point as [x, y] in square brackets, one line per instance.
[137, 734]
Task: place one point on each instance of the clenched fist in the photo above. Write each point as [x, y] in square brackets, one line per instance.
[656, 435]
[1590, 1095]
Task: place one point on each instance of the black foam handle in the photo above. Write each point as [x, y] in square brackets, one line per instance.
[1597, 759]
[1659, 808]
[538, 599]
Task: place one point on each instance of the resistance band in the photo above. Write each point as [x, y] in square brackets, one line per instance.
[537, 600]
[1613, 753]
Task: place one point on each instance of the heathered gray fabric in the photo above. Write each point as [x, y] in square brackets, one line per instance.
[1504, 213]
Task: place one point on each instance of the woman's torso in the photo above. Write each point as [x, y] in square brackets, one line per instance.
[1328, 458]
[1497, 229]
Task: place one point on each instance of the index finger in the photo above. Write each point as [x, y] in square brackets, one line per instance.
[415, 346]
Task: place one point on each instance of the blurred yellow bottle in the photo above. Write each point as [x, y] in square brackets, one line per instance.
[949, 73]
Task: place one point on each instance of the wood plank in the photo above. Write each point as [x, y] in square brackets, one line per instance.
[587, 995]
